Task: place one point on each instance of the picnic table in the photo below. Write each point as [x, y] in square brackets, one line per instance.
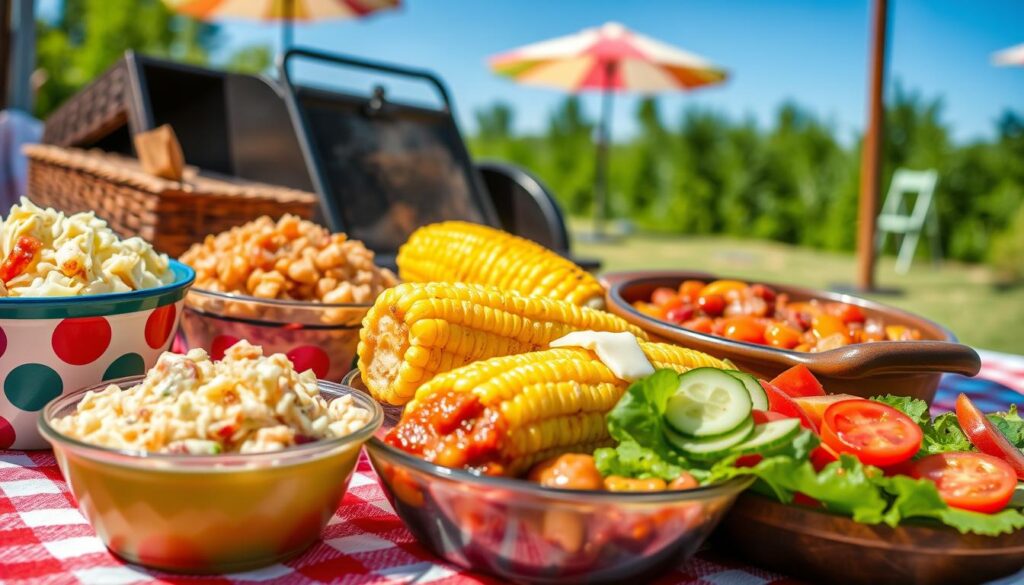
[45, 540]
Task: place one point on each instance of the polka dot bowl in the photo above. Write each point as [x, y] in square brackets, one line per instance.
[57, 345]
[317, 336]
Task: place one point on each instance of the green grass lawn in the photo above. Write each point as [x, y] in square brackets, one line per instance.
[960, 296]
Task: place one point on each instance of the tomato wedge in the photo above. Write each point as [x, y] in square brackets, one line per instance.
[822, 456]
[779, 402]
[872, 432]
[971, 481]
[815, 406]
[21, 256]
[798, 381]
[986, 437]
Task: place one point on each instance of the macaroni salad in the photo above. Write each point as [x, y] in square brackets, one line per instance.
[45, 253]
[245, 403]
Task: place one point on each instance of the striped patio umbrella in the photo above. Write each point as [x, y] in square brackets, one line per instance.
[609, 59]
[285, 11]
[1010, 57]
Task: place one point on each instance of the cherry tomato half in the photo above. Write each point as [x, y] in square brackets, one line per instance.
[665, 297]
[779, 334]
[746, 329]
[798, 381]
[690, 290]
[680, 314]
[985, 436]
[846, 312]
[873, 432]
[970, 481]
[700, 325]
[712, 305]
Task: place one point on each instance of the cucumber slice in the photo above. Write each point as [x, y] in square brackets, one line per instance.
[758, 397]
[707, 402]
[769, 436]
[714, 447]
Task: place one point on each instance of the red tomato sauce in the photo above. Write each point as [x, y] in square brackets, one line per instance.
[453, 429]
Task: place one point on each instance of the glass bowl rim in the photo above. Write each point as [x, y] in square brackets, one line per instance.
[732, 486]
[184, 276]
[209, 463]
[288, 303]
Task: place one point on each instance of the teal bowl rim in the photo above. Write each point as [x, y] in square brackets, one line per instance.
[101, 305]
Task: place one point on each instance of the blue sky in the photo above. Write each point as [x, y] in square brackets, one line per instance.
[811, 51]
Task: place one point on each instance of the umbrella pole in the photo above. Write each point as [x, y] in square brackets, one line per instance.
[601, 169]
[287, 25]
[870, 165]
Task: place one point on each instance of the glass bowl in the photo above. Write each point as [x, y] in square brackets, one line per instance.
[208, 513]
[318, 336]
[522, 532]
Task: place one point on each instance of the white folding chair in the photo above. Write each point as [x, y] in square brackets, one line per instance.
[894, 218]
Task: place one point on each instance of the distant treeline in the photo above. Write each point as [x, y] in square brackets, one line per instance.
[707, 173]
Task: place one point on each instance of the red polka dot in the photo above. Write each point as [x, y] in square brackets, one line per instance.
[81, 341]
[220, 344]
[159, 326]
[3, 342]
[308, 357]
[6, 434]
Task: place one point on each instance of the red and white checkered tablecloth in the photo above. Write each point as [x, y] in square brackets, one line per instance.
[45, 540]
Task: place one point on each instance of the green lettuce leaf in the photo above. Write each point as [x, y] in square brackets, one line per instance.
[629, 459]
[916, 409]
[943, 435]
[918, 498]
[639, 418]
[1010, 424]
[844, 486]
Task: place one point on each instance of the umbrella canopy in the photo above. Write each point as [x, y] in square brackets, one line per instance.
[284, 11]
[610, 58]
[1008, 57]
[303, 10]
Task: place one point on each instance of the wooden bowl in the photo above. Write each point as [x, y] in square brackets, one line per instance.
[907, 368]
[825, 548]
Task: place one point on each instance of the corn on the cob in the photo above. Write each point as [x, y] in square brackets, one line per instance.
[504, 414]
[416, 330]
[457, 251]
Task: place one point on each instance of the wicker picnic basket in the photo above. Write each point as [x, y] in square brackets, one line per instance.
[171, 215]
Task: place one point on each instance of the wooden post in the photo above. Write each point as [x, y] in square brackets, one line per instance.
[870, 160]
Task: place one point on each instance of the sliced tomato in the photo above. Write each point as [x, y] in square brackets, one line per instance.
[763, 416]
[971, 481]
[815, 406]
[871, 431]
[798, 381]
[986, 437]
[781, 403]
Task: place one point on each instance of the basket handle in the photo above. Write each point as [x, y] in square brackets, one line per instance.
[160, 153]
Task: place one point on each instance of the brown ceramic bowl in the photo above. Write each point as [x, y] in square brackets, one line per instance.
[906, 368]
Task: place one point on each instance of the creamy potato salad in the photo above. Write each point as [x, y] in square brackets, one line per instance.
[44, 253]
[245, 403]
